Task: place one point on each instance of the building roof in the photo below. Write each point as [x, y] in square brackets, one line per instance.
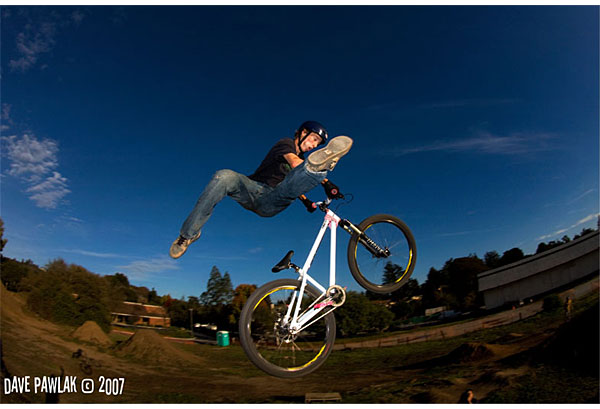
[141, 310]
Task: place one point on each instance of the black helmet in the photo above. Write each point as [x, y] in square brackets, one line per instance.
[312, 126]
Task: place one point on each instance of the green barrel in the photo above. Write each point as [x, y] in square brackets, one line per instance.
[223, 338]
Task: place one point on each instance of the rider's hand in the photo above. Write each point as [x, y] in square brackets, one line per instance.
[331, 190]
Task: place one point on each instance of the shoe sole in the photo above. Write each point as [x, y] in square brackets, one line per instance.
[185, 249]
[327, 157]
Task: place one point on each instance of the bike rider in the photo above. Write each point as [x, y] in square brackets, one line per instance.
[282, 176]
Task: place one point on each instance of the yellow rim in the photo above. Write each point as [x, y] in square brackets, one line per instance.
[410, 255]
[297, 368]
[309, 362]
[271, 292]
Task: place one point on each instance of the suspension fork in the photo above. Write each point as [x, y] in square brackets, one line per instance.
[365, 240]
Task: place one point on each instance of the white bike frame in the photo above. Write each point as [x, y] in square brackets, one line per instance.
[301, 321]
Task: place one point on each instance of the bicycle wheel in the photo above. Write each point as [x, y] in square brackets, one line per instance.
[384, 256]
[265, 336]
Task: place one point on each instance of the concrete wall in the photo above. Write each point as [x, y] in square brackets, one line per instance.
[540, 273]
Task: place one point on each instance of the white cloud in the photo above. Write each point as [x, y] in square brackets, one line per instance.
[92, 253]
[6, 121]
[591, 217]
[143, 268]
[486, 142]
[30, 157]
[33, 41]
[49, 193]
[35, 161]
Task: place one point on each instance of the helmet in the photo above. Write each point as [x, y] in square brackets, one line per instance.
[311, 126]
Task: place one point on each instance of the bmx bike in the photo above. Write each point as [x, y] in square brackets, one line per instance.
[286, 326]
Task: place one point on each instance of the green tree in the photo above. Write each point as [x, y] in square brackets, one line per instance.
[69, 294]
[14, 273]
[359, 315]
[2, 239]
[219, 290]
[154, 298]
[511, 256]
[492, 259]
[240, 296]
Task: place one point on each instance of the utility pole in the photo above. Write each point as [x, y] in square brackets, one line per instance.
[192, 321]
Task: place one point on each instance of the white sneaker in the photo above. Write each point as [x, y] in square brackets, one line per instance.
[326, 158]
[180, 245]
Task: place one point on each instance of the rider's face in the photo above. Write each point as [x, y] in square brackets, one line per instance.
[311, 142]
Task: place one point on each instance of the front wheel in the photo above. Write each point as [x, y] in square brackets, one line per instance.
[267, 340]
[383, 256]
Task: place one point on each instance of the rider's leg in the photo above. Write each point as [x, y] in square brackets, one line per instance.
[298, 182]
[224, 183]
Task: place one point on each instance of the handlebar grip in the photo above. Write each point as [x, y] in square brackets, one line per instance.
[331, 190]
[310, 206]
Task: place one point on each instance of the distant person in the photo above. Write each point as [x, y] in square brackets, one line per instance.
[467, 397]
[282, 176]
[568, 308]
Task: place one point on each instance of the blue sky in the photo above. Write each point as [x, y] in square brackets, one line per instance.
[478, 126]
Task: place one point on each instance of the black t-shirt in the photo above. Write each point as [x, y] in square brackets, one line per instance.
[274, 167]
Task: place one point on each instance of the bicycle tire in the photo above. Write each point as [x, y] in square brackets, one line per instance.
[407, 254]
[258, 344]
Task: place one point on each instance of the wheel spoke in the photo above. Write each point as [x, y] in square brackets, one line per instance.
[286, 354]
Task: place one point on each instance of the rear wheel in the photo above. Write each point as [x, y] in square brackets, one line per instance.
[267, 339]
[383, 257]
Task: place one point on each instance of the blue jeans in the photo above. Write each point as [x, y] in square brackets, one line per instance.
[262, 199]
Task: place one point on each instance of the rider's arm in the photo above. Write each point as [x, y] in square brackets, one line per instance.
[293, 159]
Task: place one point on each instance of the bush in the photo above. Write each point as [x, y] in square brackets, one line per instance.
[551, 303]
[69, 294]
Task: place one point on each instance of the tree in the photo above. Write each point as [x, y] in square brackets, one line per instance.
[359, 314]
[217, 299]
[14, 273]
[512, 256]
[2, 240]
[69, 294]
[492, 259]
[153, 297]
[219, 290]
[240, 296]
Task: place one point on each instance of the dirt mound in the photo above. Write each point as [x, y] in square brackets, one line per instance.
[11, 304]
[146, 345]
[91, 332]
[470, 352]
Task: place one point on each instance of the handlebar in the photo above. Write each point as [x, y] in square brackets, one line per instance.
[332, 192]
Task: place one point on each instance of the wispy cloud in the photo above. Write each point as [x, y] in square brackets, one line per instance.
[468, 103]
[142, 269]
[92, 253]
[35, 161]
[587, 219]
[581, 196]
[6, 121]
[38, 35]
[33, 41]
[487, 143]
[467, 232]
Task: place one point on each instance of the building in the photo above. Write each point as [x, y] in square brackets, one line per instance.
[542, 273]
[133, 313]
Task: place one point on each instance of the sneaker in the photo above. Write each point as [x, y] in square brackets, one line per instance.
[326, 158]
[180, 245]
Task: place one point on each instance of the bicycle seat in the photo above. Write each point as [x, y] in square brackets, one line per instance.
[285, 262]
